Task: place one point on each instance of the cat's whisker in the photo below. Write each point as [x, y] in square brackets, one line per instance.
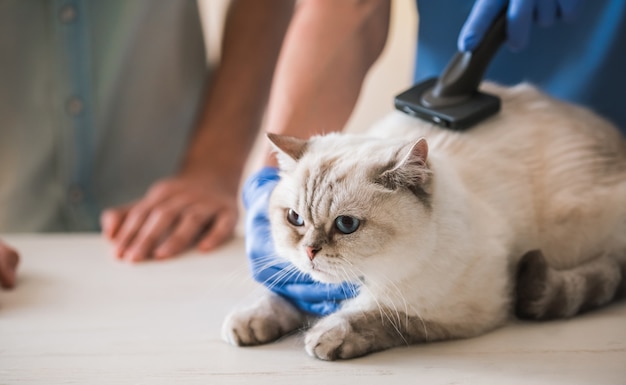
[393, 316]
[284, 276]
[280, 276]
[407, 311]
[402, 298]
[413, 310]
[381, 309]
[237, 274]
[348, 276]
[262, 265]
[265, 262]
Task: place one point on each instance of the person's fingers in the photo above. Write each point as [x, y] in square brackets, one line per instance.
[9, 259]
[158, 224]
[519, 22]
[569, 9]
[111, 220]
[221, 229]
[137, 214]
[483, 14]
[546, 12]
[133, 221]
[191, 223]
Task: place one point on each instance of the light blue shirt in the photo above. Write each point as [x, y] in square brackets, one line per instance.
[98, 99]
[583, 62]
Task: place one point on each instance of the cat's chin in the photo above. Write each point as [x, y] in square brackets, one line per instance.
[323, 277]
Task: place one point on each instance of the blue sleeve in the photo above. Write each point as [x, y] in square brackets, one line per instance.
[581, 62]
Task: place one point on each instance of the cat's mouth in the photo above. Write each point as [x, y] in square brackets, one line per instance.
[318, 269]
[323, 274]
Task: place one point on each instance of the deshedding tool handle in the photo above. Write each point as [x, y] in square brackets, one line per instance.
[463, 74]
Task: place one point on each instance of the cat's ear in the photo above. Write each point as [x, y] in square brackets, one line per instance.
[410, 169]
[289, 149]
[416, 156]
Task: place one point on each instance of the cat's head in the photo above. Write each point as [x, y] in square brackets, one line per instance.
[349, 207]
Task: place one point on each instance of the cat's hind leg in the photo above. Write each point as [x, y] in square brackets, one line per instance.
[270, 318]
[546, 293]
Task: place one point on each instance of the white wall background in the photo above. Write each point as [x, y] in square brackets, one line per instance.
[393, 72]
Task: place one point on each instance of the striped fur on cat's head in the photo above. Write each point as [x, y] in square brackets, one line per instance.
[348, 207]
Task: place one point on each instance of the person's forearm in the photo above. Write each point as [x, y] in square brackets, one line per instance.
[328, 50]
[236, 100]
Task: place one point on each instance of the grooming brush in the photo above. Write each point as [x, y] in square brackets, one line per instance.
[453, 100]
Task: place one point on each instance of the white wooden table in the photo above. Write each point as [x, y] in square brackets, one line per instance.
[80, 317]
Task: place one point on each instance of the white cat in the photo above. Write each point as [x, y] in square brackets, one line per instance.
[448, 232]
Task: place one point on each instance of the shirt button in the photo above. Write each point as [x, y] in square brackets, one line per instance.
[74, 106]
[75, 194]
[67, 14]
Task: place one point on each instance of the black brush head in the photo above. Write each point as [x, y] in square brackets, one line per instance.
[453, 100]
[460, 116]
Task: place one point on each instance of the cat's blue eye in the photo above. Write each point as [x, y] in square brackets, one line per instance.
[294, 218]
[347, 224]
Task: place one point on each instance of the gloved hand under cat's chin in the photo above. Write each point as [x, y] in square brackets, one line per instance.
[276, 274]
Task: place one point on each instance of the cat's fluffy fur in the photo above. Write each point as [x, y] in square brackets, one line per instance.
[526, 210]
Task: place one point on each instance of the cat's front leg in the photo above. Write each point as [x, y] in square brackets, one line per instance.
[270, 318]
[346, 335]
[353, 334]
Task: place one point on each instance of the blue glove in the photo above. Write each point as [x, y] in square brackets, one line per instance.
[520, 16]
[274, 272]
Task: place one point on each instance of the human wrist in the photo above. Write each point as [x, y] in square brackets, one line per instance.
[217, 163]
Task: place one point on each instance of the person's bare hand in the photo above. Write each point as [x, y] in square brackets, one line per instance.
[9, 259]
[175, 215]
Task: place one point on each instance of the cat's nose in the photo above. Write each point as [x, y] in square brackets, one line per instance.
[311, 251]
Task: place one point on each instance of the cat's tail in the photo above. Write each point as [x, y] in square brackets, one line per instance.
[546, 293]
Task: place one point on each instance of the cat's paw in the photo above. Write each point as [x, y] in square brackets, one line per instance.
[267, 320]
[334, 338]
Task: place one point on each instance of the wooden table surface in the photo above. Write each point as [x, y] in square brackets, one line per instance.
[80, 317]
